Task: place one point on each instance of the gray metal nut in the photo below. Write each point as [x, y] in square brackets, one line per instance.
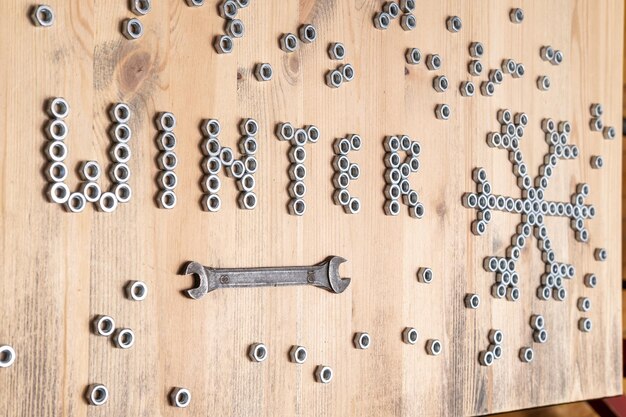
[307, 33]
[180, 397]
[289, 42]
[467, 89]
[413, 56]
[263, 72]
[408, 22]
[443, 112]
[140, 7]
[235, 28]
[476, 50]
[43, 15]
[132, 29]
[103, 326]
[298, 354]
[382, 20]
[257, 352]
[136, 290]
[228, 9]
[323, 374]
[223, 44]
[516, 15]
[487, 88]
[362, 340]
[97, 394]
[334, 78]
[347, 70]
[409, 335]
[454, 24]
[433, 347]
[433, 62]
[337, 51]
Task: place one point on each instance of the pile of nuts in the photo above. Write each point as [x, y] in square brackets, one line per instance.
[290, 43]
[166, 161]
[345, 72]
[234, 27]
[297, 155]
[494, 351]
[397, 175]
[133, 28]
[346, 172]
[391, 11]
[217, 157]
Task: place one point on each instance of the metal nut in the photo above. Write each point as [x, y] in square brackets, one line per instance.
[289, 42]
[307, 33]
[353, 206]
[433, 62]
[454, 24]
[408, 22]
[362, 340]
[585, 325]
[180, 397]
[263, 72]
[476, 50]
[298, 354]
[347, 70]
[543, 83]
[140, 7]
[297, 207]
[195, 3]
[413, 56]
[323, 374]
[211, 202]
[76, 203]
[600, 254]
[382, 20]
[124, 338]
[486, 358]
[235, 28]
[334, 78]
[336, 51]
[285, 131]
[223, 44]
[247, 200]
[228, 9]
[467, 89]
[56, 130]
[58, 108]
[475, 67]
[97, 394]
[526, 354]
[443, 112]
[440, 83]
[211, 128]
[43, 16]
[487, 88]
[166, 199]
[597, 162]
[165, 122]
[103, 326]
[425, 275]
[409, 335]
[257, 352]
[136, 290]
[516, 15]
[132, 29]
[433, 347]
[472, 301]
[249, 127]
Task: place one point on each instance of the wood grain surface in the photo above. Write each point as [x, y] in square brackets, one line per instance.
[58, 270]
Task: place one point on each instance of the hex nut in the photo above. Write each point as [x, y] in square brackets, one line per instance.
[487, 88]
[585, 325]
[597, 162]
[257, 352]
[600, 254]
[476, 50]
[425, 275]
[285, 131]
[407, 6]
[195, 3]
[520, 70]
[336, 51]
[323, 374]
[440, 83]
[609, 133]
[347, 70]
[334, 78]
[392, 9]
[180, 397]
[382, 20]
[58, 108]
[132, 29]
[486, 358]
[410, 336]
[413, 56]
[467, 89]
[433, 347]
[362, 340]
[223, 44]
[211, 203]
[508, 66]
[56, 129]
[546, 53]
[249, 127]
[43, 15]
[558, 58]
[103, 326]
[124, 338]
[543, 83]
[496, 76]
[235, 28]
[247, 200]
[516, 15]
[472, 301]
[526, 354]
[443, 112]
[97, 394]
[298, 354]
[596, 110]
[475, 67]
[140, 7]
[307, 33]
[289, 42]
[408, 22]
[263, 72]
[136, 290]
[537, 322]
[228, 9]
[433, 62]
[454, 24]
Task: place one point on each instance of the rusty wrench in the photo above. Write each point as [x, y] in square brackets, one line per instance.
[323, 275]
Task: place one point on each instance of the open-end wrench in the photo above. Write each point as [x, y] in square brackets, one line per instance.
[323, 275]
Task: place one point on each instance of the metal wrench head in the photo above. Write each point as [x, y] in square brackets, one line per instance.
[202, 283]
[337, 283]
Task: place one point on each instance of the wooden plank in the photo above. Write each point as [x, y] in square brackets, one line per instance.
[59, 270]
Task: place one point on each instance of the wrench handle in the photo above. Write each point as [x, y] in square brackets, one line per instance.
[263, 277]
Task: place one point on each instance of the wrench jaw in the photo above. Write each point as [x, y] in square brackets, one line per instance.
[336, 283]
[205, 281]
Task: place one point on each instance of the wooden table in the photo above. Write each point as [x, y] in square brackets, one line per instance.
[58, 270]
